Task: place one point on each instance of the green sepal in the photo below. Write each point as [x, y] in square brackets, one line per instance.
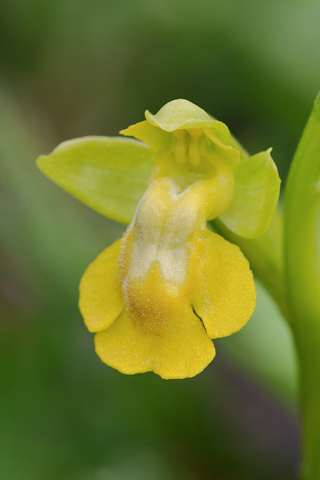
[256, 193]
[110, 175]
[157, 130]
[182, 114]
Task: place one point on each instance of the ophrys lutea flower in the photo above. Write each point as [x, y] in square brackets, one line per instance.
[159, 295]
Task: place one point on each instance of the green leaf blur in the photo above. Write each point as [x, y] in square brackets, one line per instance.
[74, 68]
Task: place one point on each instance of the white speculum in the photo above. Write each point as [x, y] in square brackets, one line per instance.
[170, 213]
[161, 233]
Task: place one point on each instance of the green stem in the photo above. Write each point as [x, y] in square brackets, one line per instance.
[302, 277]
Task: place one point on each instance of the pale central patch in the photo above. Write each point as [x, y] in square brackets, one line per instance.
[161, 234]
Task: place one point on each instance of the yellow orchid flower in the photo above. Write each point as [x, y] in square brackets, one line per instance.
[158, 296]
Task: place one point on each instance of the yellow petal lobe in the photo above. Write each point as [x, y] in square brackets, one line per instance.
[101, 300]
[226, 297]
[178, 348]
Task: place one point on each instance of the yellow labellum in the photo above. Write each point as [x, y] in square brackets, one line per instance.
[170, 286]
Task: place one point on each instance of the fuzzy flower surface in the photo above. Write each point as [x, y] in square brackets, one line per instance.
[158, 296]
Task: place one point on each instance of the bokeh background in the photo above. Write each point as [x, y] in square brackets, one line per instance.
[78, 67]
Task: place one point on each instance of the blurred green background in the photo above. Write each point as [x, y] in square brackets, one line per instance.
[78, 67]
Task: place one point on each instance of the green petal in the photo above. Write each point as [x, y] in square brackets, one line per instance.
[256, 193]
[151, 135]
[109, 175]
